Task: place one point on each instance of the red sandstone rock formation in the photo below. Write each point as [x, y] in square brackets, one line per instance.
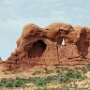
[56, 44]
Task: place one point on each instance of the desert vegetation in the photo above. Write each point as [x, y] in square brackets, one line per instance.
[60, 78]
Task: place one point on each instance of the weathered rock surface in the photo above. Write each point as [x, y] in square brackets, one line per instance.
[56, 44]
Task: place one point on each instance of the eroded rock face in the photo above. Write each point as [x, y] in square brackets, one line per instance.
[56, 44]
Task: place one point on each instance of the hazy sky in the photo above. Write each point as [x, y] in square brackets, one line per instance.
[14, 14]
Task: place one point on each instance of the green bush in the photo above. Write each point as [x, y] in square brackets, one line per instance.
[19, 82]
[63, 79]
[6, 83]
[13, 82]
[60, 72]
[74, 74]
[33, 79]
[43, 81]
[40, 81]
[60, 78]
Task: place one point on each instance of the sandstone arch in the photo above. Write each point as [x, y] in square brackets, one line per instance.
[43, 46]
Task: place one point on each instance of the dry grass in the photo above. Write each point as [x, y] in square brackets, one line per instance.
[40, 72]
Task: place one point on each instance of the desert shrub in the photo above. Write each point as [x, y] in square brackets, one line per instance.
[74, 74]
[86, 68]
[58, 71]
[63, 79]
[60, 78]
[49, 78]
[57, 67]
[48, 71]
[36, 72]
[18, 82]
[43, 81]
[33, 79]
[13, 82]
[40, 81]
[6, 83]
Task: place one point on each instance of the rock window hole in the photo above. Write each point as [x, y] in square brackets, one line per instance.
[37, 49]
[61, 42]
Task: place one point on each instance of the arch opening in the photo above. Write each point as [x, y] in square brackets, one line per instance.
[37, 49]
[61, 41]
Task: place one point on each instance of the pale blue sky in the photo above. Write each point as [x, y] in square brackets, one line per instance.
[14, 14]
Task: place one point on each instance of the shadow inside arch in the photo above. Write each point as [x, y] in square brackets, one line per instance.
[37, 49]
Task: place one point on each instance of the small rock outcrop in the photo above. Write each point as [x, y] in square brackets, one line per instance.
[56, 44]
